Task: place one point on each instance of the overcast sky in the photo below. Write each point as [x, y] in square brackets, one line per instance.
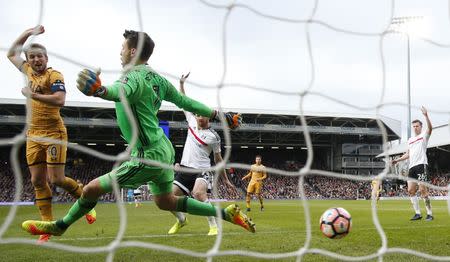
[260, 52]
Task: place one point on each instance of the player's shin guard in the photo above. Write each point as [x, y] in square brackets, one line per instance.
[44, 201]
[428, 205]
[71, 187]
[81, 207]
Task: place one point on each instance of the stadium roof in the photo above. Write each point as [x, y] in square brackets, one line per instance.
[392, 124]
[439, 137]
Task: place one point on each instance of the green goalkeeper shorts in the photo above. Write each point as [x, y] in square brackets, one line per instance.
[132, 174]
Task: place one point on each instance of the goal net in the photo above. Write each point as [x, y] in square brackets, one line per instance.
[305, 85]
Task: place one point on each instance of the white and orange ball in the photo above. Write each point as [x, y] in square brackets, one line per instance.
[335, 223]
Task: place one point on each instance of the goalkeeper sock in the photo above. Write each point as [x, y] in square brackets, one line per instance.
[180, 216]
[44, 201]
[415, 203]
[261, 201]
[428, 205]
[194, 207]
[81, 207]
[71, 187]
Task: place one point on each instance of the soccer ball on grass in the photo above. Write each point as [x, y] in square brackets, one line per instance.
[335, 223]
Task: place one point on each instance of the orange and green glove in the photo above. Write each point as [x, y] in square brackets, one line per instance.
[89, 83]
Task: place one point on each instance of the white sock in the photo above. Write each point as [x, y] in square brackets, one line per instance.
[428, 205]
[211, 219]
[179, 215]
[415, 203]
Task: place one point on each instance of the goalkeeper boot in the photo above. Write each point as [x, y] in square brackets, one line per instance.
[177, 226]
[429, 218]
[43, 238]
[91, 217]
[212, 231]
[233, 214]
[35, 227]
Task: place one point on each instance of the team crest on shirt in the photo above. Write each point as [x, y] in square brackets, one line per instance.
[156, 89]
[157, 100]
[124, 80]
[53, 152]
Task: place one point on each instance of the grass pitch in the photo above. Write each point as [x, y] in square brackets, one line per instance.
[280, 228]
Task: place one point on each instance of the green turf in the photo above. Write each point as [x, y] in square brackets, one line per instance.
[280, 229]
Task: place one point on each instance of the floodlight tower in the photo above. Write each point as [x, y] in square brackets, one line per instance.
[407, 25]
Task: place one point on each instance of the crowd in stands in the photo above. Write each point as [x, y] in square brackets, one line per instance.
[441, 179]
[84, 169]
[7, 183]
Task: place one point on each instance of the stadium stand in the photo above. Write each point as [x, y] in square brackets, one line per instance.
[84, 168]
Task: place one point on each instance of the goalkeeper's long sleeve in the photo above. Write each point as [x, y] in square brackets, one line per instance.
[144, 90]
[187, 103]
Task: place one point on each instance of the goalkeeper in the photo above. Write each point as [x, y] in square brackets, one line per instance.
[144, 91]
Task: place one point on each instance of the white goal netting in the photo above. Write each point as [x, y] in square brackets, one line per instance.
[308, 24]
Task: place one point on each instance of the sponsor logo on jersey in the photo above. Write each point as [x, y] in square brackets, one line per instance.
[35, 88]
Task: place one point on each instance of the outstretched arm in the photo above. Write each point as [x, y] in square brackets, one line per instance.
[404, 157]
[188, 104]
[14, 53]
[429, 126]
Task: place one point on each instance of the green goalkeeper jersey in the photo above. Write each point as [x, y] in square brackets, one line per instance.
[144, 90]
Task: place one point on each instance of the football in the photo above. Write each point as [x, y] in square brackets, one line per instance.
[335, 223]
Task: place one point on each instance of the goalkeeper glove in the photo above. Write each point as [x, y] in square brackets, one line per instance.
[234, 120]
[89, 83]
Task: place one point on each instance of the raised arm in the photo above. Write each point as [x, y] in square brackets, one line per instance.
[189, 116]
[14, 51]
[427, 119]
[182, 80]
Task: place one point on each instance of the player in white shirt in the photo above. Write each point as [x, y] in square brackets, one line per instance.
[200, 142]
[418, 165]
[137, 193]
